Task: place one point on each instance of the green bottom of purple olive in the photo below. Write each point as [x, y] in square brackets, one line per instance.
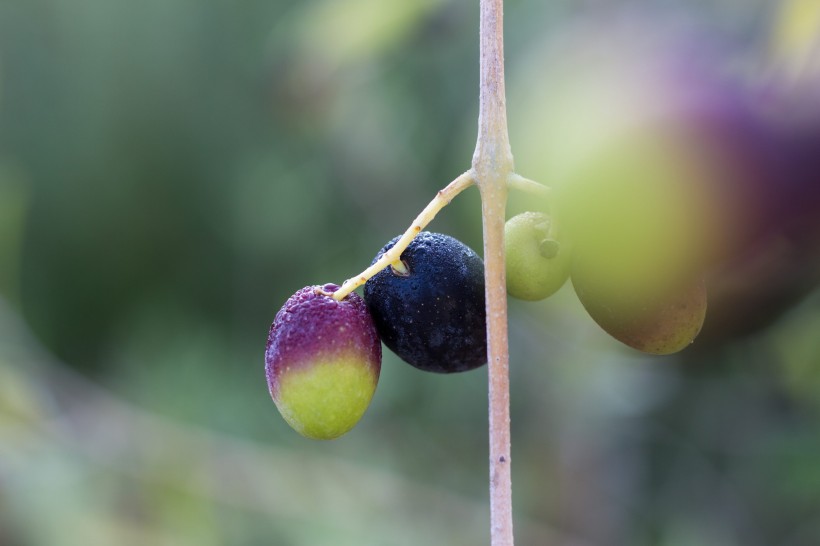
[327, 398]
[663, 324]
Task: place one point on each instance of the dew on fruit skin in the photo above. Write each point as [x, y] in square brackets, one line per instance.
[436, 259]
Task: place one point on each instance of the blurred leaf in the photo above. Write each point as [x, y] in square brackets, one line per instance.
[13, 206]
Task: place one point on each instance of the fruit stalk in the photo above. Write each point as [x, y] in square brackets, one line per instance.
[493, 167]
[518, 182]
[441, 200]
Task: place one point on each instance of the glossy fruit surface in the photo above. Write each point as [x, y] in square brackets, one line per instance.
[322, 361]
[433, 317]
[537, 262]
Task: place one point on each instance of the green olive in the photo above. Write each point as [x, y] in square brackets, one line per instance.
[538, 262]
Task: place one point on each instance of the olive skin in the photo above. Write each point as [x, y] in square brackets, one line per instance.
[657, 322]
[322, 361]
[432, 316]
[537, 263]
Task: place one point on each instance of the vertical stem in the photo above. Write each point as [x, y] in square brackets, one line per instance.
[498, 362]
[492, 165]
[493, 145]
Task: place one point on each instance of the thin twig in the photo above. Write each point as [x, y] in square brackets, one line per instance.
[518, 182]
[441, 200]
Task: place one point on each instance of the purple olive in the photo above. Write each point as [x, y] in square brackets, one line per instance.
[322, 361]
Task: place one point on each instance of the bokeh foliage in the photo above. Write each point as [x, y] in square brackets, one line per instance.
[171, 171]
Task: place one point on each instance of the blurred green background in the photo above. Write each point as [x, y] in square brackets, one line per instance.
[171, 171]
